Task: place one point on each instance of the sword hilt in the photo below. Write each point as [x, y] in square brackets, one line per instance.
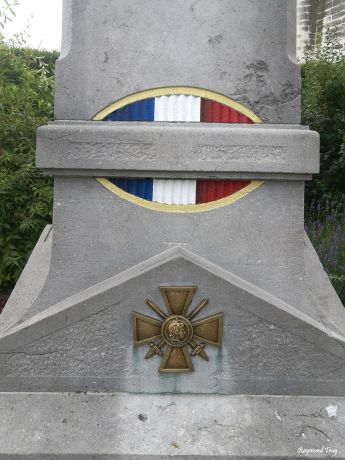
[198, 349]
[155, 349]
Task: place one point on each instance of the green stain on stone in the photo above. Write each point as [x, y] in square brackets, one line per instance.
[135, 360]
[168, 383]
[175, 383]
[219, 360]
[219, 370]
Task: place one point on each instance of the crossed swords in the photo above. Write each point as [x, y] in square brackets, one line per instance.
[156, 348]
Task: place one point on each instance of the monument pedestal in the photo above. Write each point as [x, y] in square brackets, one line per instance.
[176, 307]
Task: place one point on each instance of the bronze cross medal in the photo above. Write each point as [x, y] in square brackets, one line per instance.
[176, 330]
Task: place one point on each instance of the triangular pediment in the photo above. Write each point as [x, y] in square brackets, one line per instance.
[182, 263]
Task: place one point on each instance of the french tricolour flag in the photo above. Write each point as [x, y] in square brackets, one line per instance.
[178, 108]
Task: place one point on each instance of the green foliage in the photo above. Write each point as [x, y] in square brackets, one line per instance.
[323, 109]
[7, 12]
[26, 102]
[325, 225]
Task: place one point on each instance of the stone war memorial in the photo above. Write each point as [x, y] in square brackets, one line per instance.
[175, 307]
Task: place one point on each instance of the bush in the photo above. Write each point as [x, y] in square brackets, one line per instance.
[323, 109]
[26, 102]
[325, 225]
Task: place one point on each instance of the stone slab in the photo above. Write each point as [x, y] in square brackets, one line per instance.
[30, 283]
[320, 299]
[245, 50]
[70, 426]
[122, 148]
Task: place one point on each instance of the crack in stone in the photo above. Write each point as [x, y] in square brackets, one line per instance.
[313, 428]
[30, 354]
[315, 414]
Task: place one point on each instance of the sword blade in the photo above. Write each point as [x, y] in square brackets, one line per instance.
[156, 309]
[198, 309]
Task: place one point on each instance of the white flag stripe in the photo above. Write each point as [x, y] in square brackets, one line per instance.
[177, 108]
[174, 191]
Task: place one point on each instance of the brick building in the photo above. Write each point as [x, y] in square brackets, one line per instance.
[315, 15]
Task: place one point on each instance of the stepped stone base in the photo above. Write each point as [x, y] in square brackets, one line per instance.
[131, 427]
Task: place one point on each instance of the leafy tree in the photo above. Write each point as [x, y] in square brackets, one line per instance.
[26, 102]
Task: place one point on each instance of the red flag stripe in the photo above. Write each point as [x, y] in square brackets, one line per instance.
[212, 190]
[214, 112]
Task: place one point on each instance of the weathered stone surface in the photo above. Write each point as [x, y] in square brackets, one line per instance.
[134, 148]
[245, 50]
[320, 300]
[85, 342]
[98, 234]
[30, 282]
[153, 427]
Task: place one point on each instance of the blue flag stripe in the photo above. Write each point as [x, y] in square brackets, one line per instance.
[138, 111]
[139, 187]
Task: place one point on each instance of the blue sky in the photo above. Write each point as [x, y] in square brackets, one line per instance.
[44, 20]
